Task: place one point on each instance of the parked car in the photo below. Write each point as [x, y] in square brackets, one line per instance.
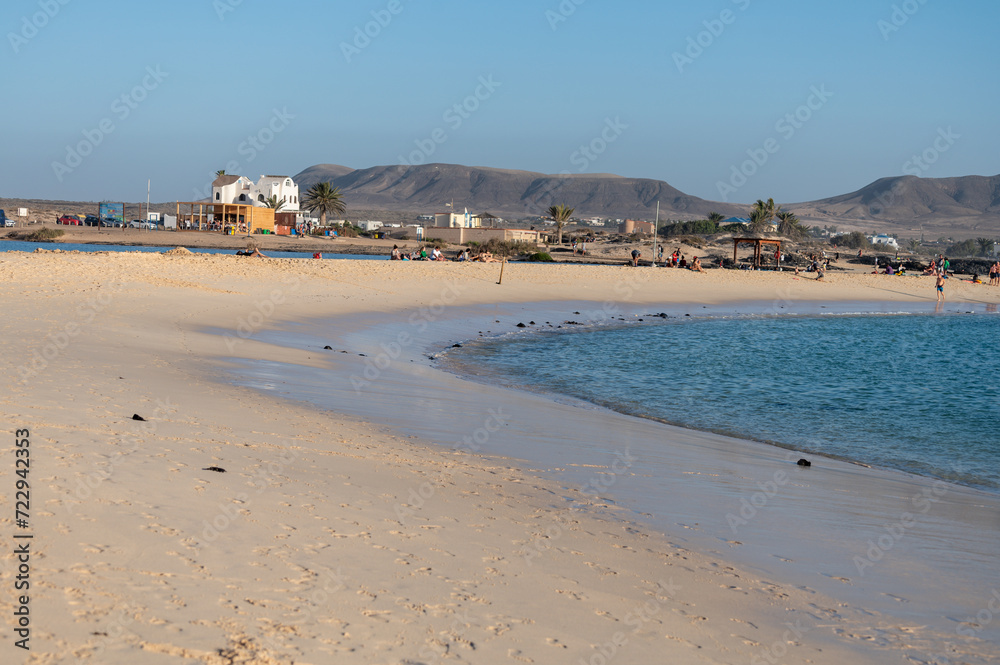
[91, 220]
[70, 220]
[4, 221]
[108, 221]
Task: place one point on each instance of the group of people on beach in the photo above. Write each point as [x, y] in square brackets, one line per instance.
[940, 269]
[675, 260]
[437, 255]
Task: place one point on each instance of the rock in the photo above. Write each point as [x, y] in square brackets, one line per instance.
[521, 325]
[804, 462]
[217, 469]
[136, 416]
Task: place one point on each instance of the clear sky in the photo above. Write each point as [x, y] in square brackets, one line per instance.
[724, 99]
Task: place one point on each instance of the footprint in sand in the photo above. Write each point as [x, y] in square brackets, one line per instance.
[898, 599]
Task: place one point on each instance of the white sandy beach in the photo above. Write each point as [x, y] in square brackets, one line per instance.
[336, 538]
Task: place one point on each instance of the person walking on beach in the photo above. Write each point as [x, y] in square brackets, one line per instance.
[995, 274]
[635, 257]
[939, 285]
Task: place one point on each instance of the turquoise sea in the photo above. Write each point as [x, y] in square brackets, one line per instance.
[916, 393]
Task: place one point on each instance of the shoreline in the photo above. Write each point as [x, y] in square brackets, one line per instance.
[306, 548]
[454, 362]
[791, 496]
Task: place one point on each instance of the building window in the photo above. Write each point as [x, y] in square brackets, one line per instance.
[217, 197]
[243, 197]
[260, 197]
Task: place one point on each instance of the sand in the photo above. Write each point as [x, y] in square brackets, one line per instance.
[336, 538]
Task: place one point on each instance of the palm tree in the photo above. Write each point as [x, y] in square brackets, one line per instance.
[788, 224]
[324, 198]
[715, 217]
[985, 245]
[767, 208]
[759, 221]
[273, 202]
[561, 215]
[220, 173]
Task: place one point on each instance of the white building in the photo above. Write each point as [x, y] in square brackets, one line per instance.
[369, 225]
[454, 220]
[883, 239]
[242, 190]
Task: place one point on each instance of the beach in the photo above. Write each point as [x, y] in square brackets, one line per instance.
[235, 525]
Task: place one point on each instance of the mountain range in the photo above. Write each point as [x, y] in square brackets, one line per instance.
[968, 204]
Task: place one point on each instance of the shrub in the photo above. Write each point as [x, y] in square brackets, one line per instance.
[541, 257]
[508, 247]
[45, 235]
[345, 231]
[698, 226]
[965, 248]
[853, 240]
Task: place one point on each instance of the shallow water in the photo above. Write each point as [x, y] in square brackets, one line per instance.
[916, 393]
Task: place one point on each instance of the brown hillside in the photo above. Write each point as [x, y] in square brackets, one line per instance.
[514, 193]
[962, 205]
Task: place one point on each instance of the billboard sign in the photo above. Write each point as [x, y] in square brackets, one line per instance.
[113, 211]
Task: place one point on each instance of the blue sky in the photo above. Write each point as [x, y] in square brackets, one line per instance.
[725, 99]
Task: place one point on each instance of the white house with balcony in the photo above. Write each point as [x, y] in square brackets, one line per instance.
[243, 191]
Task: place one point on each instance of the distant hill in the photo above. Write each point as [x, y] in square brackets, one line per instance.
[963, 207]
[967, 203]
[507, 192]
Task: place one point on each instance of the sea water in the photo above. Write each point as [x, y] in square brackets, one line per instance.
[916, 393]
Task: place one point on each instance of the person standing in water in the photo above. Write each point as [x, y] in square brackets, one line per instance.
[939, 285]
